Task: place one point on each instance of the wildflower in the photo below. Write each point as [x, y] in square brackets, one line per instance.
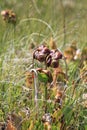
[78, 54]
[53, 58]
[50, 57]
[9, 16]
[41, 53]
[47, 118]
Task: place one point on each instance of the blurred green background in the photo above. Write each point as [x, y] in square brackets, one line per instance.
[42, 19]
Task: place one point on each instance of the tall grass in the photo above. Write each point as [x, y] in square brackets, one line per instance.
[37, 22]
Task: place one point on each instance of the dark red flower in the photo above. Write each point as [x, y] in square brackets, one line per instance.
[53, 58]
[41, 53]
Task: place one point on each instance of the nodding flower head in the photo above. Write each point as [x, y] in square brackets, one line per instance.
[53, 58]
[9, 16]
[41, 53]
[50, 57]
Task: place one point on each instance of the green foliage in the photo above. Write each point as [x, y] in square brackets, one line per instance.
[43, 77]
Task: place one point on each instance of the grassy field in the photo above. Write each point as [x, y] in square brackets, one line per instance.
[43, 22]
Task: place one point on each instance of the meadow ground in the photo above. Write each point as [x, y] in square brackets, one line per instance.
[39, 22]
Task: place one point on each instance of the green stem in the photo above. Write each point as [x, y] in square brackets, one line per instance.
[45, 98]
[35, 89]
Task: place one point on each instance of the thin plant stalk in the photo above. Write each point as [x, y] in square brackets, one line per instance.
[45, 102]
[65, 67]
[35, 5]
[64, 22]
[35, 88]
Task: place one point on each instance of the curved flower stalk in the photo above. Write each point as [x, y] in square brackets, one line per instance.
[65, 66]
[45, 76]
[35, 86]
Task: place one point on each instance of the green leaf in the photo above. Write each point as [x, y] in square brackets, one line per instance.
[43, 77]
[68, 112]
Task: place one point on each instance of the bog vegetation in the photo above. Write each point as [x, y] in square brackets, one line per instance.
[43, 65]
